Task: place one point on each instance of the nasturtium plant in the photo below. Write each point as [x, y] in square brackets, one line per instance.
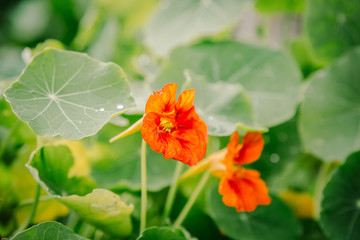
[191, 119]
[68, 93]
[329, 113]
[341, 201]
[48, 230]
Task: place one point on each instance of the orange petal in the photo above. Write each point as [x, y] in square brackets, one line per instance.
[185, 100]
[162, 101]
[252, 147]
[149, 132]
[244, 190]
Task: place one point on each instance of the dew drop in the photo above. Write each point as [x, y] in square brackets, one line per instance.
[274, 158]
[101, 109]
[120, 106]
[293, 150]
[80, 122]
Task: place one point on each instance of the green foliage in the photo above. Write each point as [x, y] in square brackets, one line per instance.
[286, 68]
[162, 233]
[50, 167]
[330, 110]
[75, 97]
[260, 224]
[279, 5]
[341, 201]
[270, 78]
[104, 209]
[178, 22]
[333, 27]
[47, 231]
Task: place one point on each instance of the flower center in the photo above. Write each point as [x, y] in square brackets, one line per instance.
[166, 125]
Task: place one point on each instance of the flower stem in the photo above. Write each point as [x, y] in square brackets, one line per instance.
[191, 200]
[143, 187]
[33, 211]
[321, 180]
[172, 191]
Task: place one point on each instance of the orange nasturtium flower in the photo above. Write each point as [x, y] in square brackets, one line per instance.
[243, 188]
[174, 128]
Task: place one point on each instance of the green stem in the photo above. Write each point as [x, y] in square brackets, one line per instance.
[72, 220]
[143, 187]
[321, 180]
[191, 200]
[7, 138]
[33, 211]
[172, 191]
[98, 235]
[87, 230]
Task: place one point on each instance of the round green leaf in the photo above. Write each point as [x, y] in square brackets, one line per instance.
[330, 117]
[178, 22]
[50, 167]
[270, 78]
[280, 5]
[340, 208]
[333, 27]
[160, 233]
[223, 106]
[69, 93]
[275, 221]
[48, 231]
[104, 209]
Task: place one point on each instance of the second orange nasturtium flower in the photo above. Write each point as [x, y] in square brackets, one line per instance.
[172, 127]
[243, 188]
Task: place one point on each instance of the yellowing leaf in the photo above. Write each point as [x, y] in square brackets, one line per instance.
[301, 203]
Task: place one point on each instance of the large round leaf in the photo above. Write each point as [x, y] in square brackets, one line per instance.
[340, 208]
[330, 117]
[333, 26]
[270, 78]
[47, 231]
[177, 22]
[223, 106]
[69, 93]
[271, 222]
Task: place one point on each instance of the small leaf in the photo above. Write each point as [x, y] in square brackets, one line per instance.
[330, 115]
[333, 27]
[69, 93]
[48, 231]
[340, 207]
[260, 224]
[50, 166]
[270, 78]
[104, 209]
[178, 22]
[160, 233]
